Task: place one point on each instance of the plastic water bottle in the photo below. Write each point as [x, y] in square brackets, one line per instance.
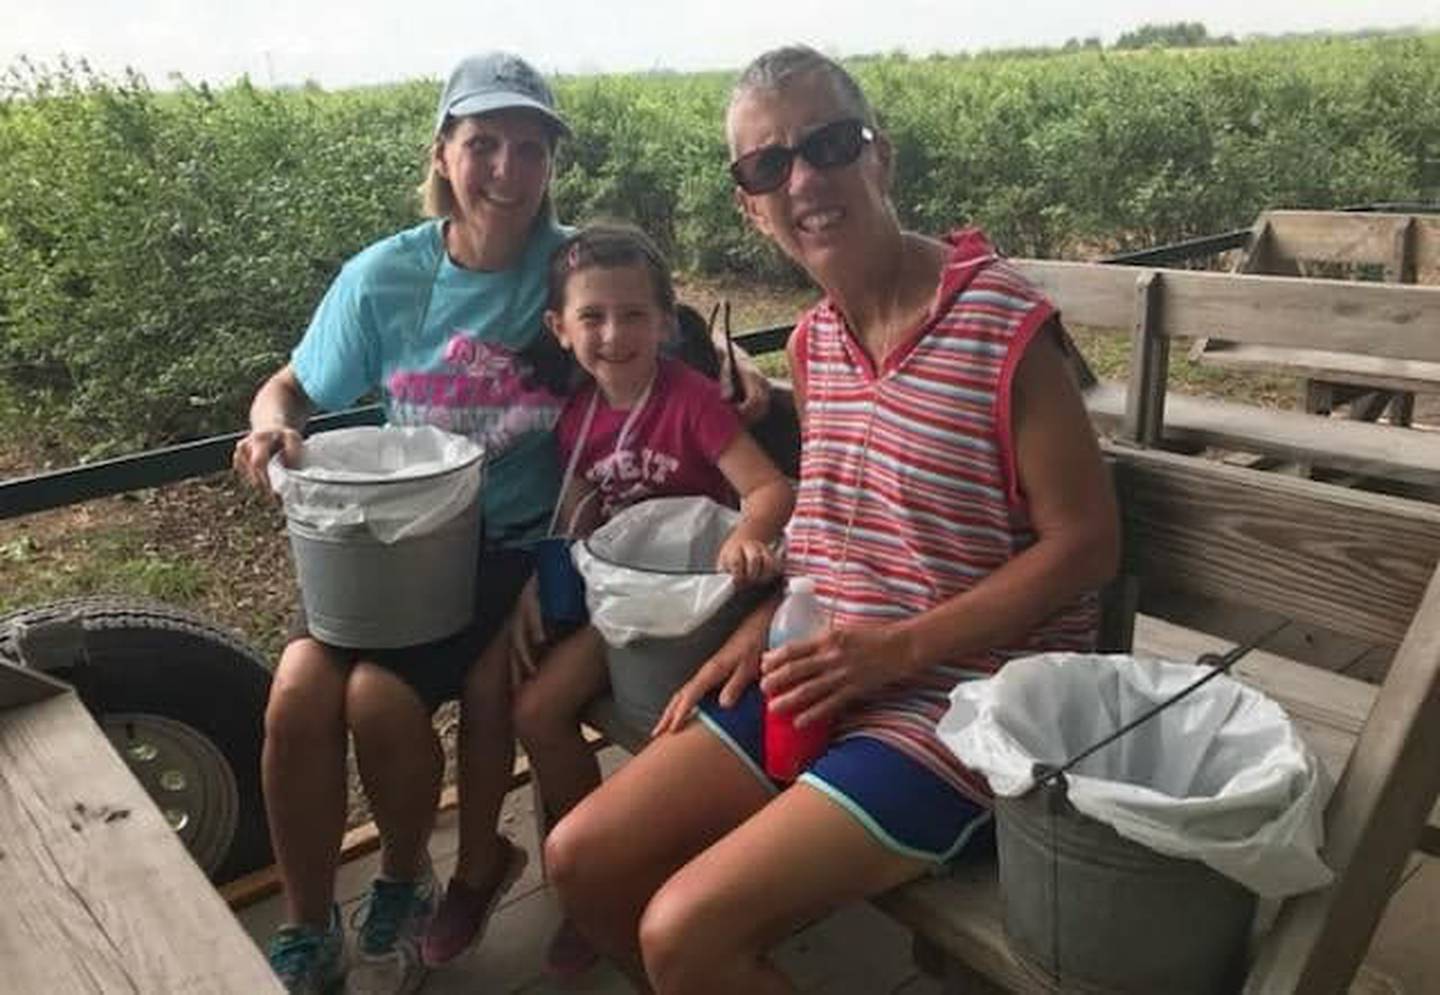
[789, 750]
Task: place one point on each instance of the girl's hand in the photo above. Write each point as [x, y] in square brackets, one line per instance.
[527, 633]
[733, 667]
[749, 561]
[816, 679]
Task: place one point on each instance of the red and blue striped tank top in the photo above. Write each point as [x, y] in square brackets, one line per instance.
[916, 463]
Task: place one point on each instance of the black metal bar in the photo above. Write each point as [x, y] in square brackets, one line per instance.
[58, 488]
[1394, 207]
[764, 340]
[1177, 252]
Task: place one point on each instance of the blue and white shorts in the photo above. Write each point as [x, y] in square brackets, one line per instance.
[903, 804]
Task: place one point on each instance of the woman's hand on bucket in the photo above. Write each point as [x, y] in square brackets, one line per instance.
[731, 669]
[252, 453]
[815, 679]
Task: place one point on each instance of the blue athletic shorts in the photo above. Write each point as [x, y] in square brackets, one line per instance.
[902, 803]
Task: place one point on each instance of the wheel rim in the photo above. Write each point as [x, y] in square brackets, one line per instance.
[185, 775]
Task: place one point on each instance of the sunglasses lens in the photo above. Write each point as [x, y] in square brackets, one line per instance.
[762, 170]
[836, 144]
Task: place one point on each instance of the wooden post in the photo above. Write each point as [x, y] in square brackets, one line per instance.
[1254, 259]
[1149, 365]
[1401, 267]
[1372, 823]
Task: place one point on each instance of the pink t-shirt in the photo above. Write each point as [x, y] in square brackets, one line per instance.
[671, 449]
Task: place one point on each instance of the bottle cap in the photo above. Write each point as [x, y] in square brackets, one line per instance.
[800, 585]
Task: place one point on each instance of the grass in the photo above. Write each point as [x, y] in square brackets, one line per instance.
[115, 559]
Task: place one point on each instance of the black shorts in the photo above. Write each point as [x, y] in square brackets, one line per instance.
[437, 670]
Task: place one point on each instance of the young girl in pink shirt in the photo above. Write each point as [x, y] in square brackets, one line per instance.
[646, 426]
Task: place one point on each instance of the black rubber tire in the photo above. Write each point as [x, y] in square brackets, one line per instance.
[126, 656]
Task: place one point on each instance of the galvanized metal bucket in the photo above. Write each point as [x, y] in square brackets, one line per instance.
[645, 673]
[363, 593]
[1087, 910]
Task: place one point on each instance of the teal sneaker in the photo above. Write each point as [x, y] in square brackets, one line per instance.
[390, 923]
[309, 961]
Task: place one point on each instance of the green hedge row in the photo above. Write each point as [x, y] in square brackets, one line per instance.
[160, 252]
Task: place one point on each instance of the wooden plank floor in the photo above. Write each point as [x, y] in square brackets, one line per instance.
[856, 950]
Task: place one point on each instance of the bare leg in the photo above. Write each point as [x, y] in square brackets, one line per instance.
[708, 927]
[485, 762]
[620, 843]
[547, 720]
[302, 769]
[400, 765]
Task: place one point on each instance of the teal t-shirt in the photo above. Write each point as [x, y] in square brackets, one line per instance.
[445, 346]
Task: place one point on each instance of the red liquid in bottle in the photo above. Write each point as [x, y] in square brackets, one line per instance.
[789, 749]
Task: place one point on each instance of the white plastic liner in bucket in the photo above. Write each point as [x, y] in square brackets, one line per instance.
[655, 596]
[1222, 776]
[384, 527]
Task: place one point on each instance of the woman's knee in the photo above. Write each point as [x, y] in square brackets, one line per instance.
[566, 848]
[581, 856]
[376, 700]
[307, 696]
[679, 943]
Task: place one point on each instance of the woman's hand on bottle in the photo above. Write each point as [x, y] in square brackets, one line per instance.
[817, 679]
[749, 561]
[527, 633]
[252, 453]
[731, 669]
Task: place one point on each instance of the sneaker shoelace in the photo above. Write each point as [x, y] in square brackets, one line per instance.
[384, 913]
[293, 953]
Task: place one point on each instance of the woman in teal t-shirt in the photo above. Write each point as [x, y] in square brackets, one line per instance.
[444, 320]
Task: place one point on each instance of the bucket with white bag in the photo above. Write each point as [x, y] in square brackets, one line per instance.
[384, 527]
[656, 597]
[1139, 814]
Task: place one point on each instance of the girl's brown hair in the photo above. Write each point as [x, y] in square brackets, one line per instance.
[609, 245]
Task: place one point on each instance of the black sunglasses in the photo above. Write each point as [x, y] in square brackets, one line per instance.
[827, 147]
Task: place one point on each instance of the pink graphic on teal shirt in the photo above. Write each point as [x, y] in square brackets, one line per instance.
[482, 390]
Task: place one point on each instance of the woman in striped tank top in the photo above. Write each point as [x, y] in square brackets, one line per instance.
[954, 512]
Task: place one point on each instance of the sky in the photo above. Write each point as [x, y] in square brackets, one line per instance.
[341, 43]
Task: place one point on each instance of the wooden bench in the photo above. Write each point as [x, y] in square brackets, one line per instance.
[1358, 447]
[1371, 322]
[1357, 563]
[1395, 247]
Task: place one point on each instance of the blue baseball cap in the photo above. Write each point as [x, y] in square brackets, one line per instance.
[495, 81]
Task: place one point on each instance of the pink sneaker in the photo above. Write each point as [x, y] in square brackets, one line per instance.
[460, 920]
[569, 955]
